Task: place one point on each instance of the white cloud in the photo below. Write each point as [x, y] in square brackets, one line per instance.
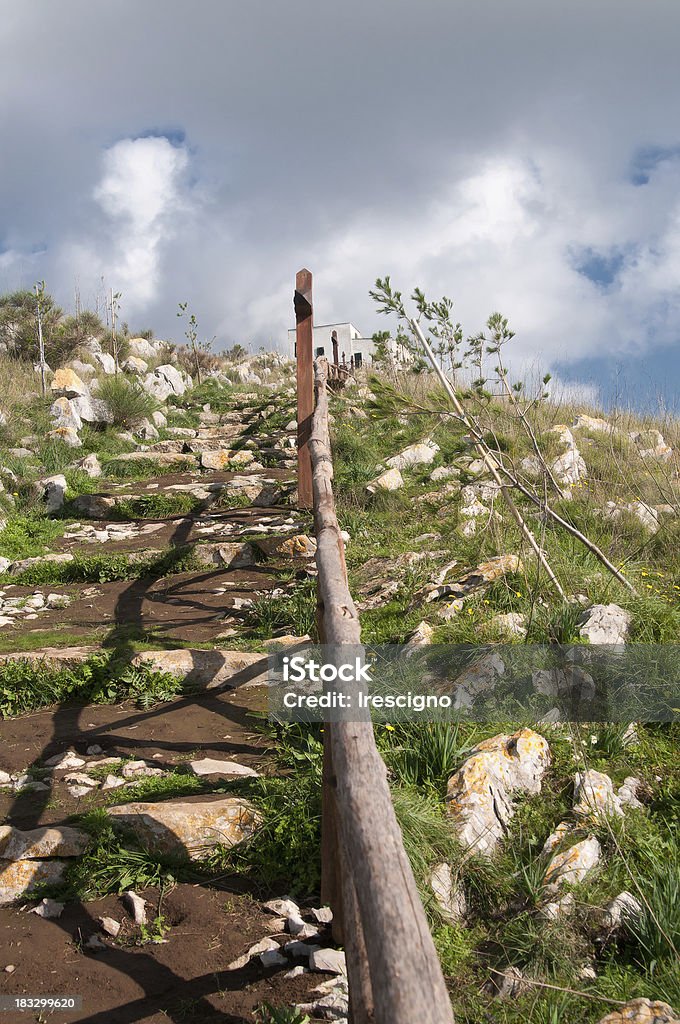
[505, 237]
[473, 162]
[141, 196]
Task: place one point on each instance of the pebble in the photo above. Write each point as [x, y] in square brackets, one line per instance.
[136, 905]
[109, 926]
[48, 909]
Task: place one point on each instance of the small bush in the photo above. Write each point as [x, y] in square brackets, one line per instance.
[128, 402]
[156, 506]
[27, 685]
[27, 536]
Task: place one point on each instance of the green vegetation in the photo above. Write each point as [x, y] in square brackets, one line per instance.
[156, 506]
[293, 612]
[104, 568]
[128, 402]
[29, 535]
[268, 1014]
[28, 685]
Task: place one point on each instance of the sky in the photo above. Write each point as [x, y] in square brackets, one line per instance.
[521, 157]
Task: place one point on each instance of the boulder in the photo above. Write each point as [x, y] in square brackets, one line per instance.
[473, 582]
[594, 794]
[569, 468]
[147, 430]
[157, 387]
[81, 368]
[443, 473]
[65, 414]
[208, 766]
[67, 382]
[68, 435]
[90, 465]
[618, 912]
[26, 563]
[392, 480]
[571, 682]
[22, 876]
[646, 514]
[160, 420]
[479, 677]
[94, 506]
[207, 669]
[421, 636]
[107, 362]
[234, 555]
[450, 898]
[223, 458]
[133, 364]
[506, 984]
[510, 624]
[331, 961]
[605, 624]
[479, 795]
[189, 827]
[53, 489]
[414, 455]
[593, 423]
[651, 444]
[39, 843]
[92, 410]
[140, 348]
[173, 377]
[642, 1011]
[572, 865]
[299, 547]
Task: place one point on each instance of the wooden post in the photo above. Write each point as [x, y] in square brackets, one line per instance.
[392, 966]
[304, 331]
[334, 339]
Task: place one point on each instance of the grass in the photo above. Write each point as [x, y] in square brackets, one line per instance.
[104, 568]
[128, 402]
[137, 469]
[503, 893]
[294, 612]
[26, 685]
[114, 863]
[28, 535]
[269, 1014]
[156, 506]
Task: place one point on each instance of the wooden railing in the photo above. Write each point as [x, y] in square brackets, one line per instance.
[393, 970]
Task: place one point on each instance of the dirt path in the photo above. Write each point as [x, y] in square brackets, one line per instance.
[243, 556]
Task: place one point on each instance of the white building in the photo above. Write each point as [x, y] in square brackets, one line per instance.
[352, 347]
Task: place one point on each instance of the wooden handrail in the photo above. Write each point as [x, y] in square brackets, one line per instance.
[393, 969]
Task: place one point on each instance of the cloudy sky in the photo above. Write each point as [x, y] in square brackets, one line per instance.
[521, 156]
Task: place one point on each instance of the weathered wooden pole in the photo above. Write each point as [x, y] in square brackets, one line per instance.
[304, 331]
[392, 966]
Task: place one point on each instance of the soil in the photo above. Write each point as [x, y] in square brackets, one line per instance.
[217, 726]
[182, 979]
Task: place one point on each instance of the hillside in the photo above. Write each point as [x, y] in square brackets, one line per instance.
[152, 553]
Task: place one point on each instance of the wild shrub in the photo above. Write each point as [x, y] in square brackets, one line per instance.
[128, 402]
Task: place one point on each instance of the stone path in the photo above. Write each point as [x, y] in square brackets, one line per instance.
[223, 953]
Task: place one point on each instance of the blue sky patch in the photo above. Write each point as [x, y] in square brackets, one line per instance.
[647, 158]
[601, 268]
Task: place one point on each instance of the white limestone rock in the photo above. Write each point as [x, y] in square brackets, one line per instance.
[479, 796]
[605, 624]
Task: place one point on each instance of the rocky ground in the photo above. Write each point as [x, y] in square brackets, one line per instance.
[159, 839]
